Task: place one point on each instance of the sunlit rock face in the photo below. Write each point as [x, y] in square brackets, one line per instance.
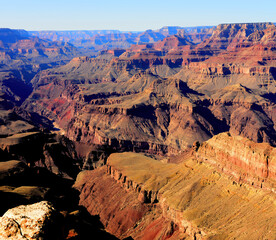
[29, 222]
[191, 198]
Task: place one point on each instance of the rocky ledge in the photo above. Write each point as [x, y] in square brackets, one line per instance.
[138, 196]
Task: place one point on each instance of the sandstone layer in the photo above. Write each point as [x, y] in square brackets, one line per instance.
[241, 158]
[197, 201]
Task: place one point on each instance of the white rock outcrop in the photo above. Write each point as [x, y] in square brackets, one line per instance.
[26, 221]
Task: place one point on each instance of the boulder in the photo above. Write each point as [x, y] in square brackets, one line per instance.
[35, 221]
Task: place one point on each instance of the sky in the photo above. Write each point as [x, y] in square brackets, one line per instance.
[130, 15]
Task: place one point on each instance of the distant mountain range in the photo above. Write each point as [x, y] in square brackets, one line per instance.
[108, 39]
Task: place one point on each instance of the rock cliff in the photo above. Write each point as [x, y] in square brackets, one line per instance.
[241, 158]
[194, 199]
[180, 91]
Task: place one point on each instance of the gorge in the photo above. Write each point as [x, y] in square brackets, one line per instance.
[162, 134]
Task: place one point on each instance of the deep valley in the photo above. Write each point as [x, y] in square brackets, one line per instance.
[161, 134]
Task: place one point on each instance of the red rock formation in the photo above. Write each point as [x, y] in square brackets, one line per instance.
[143, 198]
[245, 160]
[172, 42]
[114, 52]
[227, 35]
[120, 208]
[210, 88]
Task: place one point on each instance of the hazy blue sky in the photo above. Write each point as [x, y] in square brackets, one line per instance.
[130, 14]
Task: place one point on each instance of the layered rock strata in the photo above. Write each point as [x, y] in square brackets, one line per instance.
[247, 161]
[179, 91]
[198, 201]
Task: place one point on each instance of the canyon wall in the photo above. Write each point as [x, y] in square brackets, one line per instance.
[197, 200]
[241, 158]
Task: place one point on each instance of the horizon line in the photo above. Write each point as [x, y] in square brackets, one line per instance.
[193, 26]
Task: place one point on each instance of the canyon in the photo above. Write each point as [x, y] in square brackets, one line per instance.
[102, 100]
[162, 134]
[183, 201]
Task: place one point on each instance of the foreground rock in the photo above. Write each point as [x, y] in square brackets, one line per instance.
[36, 221]
[121, 211]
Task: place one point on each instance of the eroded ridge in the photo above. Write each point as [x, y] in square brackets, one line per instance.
[193, 197]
